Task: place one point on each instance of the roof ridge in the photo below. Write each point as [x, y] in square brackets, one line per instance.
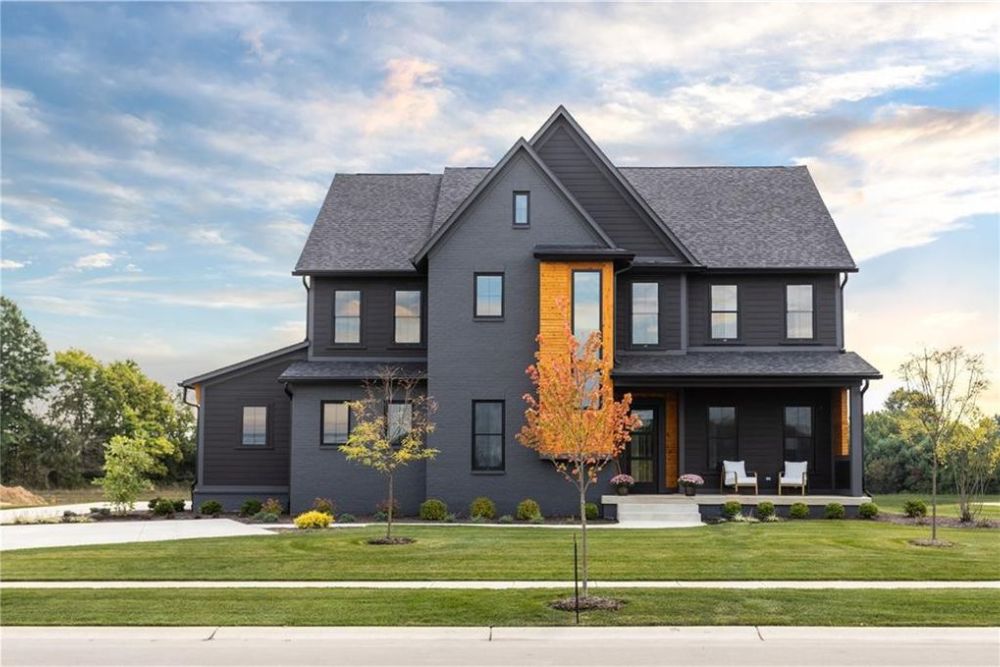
[387, 173]
[717, 166]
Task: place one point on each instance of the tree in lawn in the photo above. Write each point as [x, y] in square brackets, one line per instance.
[948, 383]
[127, 465]
[390, 428]
[971, 457]
[575, 420]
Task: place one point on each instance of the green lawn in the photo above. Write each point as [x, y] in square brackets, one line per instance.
[511, 607]
[803, 550]
[947, 504]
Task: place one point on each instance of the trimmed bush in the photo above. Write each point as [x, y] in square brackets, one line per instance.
[265, 517]
[834, 511]
[152, 503]
[798, 511]
[163, 507]
[528, 509]
[250, 507]
[210, 508]
[450, 518]
[324, 505]
[537, 519]
[346, 517]
[915, 509]
[506, 518]
[731, 509]
[765, 510]
[433, 509]
[272, 506]
[179, 505]
[867, 510]
[592, 511]
[313, 519]
[483, 507]
[479, 519]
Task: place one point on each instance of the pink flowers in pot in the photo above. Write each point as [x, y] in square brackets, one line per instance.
[622, 480]
[690, 480]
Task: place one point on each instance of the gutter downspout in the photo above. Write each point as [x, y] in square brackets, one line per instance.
[196, 406]
[840, 315]
[864, 388]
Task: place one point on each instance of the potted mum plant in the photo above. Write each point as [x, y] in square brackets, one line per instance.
[622, 483]
[690, 483]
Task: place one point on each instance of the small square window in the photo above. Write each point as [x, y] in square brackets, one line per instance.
[522, 208]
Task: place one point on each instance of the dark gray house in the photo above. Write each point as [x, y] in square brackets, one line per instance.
[719, 292]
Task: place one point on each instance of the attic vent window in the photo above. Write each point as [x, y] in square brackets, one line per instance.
[521, 209]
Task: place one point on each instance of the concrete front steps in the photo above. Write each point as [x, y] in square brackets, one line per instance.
[659, 514]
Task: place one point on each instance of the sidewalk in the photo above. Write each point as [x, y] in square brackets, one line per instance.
[508, 585]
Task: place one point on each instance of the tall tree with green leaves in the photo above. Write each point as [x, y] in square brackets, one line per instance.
[25, 377]
[971, 456]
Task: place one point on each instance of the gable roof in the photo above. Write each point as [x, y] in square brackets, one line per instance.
[244, 365]
[520, 147]
[745, 217]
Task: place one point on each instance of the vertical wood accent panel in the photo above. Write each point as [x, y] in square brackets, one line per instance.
[841, 423]
[671, 446]
[555, 294]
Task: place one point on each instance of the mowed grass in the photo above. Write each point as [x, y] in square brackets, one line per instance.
[947, 504]
[796, 550]
[954, 607]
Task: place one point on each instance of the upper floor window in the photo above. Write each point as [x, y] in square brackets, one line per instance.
[522, 208]
[721, 435]
[799, 311]
[489, 295]
[799, 433]
[586, 304]
[407, 316]
[487, 435]
[347, 316]
[725, 312]
[336, 422]
[399, 420]
[645, 314]
[254, 426]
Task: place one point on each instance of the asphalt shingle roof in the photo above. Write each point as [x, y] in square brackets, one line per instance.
[747, 364]
[305, 371]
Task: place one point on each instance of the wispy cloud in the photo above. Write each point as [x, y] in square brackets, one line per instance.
[98, 260]
[11, 264]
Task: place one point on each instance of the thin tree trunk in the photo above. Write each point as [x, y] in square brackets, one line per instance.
[934, 469]
[583, 526]
[388, 525]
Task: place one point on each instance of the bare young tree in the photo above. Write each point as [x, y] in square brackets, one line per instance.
[390, 429]
[949, 383]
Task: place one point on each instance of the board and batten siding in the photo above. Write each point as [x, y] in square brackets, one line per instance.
[762, 307]
[669, 311]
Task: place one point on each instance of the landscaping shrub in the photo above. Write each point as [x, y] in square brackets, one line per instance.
[152, 503]
[483, 507]
[324, 505]
[765, 510]
[528, 509]
[450, 518]
[592, 511]
[798, 511]
[380, 516]
[250, 507]
[731, 509]
[915, 509]
[313, 519]
[506, 518]
[433, 509]
[179, 505]
[210, 508]
[346, 517]
[834, 511]
[101, 511]
[383, 507]
[272, 506]
[163, 507]
[265, 517]
[868, 510]
[537, 519]
[479, 519]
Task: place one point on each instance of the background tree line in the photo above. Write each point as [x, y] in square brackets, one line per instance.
[59, 412]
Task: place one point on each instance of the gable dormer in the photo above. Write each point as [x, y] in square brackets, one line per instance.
[609, 199]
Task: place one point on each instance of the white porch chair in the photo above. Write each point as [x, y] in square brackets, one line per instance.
[794, 474]
[734, 473]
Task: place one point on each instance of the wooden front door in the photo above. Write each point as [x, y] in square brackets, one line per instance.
[643, 452]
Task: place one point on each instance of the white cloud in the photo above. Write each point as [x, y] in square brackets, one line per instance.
[138, 130]
[20, 110]
[214, 239]
[21, 230]
[11, 264]
[98, 260]
[61, 306]
[156, 247]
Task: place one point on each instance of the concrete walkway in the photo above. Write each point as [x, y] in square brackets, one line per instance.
[56, 511]
[115, 532]
[507, 585]
[583, 646]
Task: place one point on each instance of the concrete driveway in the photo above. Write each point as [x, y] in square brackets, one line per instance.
[114, 532]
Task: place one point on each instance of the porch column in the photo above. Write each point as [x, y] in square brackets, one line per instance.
[857, 441]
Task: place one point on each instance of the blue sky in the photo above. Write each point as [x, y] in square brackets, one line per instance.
[162, 163]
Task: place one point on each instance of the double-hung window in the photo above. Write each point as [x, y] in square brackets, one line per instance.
[254, 432]
[799, 311]
[721, 435]
[799, 433]
[489, 295]
[487, 435]
[586, 304]
[407, 317]
[645, 314]
[725, 312]
[347, 316]
[336, 422]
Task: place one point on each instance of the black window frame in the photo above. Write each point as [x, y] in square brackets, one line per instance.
[632, 313]
[420, 317]
[712, 311]
[503, 436]
[361, 319]
[322, 422]
[811, 438]
[709, 437]
[812, 312]
[527, 209]
[242, 444]
[475, 294]
[600, 303]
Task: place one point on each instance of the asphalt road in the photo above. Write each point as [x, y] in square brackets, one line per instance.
[500, 646]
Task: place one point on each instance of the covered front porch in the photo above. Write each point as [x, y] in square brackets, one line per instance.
[646, 507]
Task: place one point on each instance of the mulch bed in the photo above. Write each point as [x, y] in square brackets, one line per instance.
[943, 521]
[391, 540]
[937, 544]
[589, 603]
